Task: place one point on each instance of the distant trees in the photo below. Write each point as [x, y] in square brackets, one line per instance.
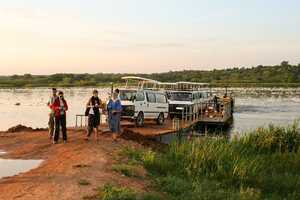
[285, 63]
[284, 74]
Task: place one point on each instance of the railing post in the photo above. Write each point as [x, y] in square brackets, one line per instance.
[76, 122]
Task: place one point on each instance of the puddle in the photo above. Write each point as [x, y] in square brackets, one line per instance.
[11, 167]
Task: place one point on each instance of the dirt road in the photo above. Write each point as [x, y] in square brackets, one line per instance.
[57, 178]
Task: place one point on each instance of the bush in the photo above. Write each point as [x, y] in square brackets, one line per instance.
[264, 164]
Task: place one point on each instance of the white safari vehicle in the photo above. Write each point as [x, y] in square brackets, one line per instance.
[184, 94]
[143, 102]
[180, 99]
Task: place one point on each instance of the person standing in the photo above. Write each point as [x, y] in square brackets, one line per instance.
[60, 107]
[93, 113]
[109, 114]
[52, 114]
[116, 109]
[118, 93]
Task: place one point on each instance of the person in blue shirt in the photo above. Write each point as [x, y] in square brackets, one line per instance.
[116, 109]
[109, 114]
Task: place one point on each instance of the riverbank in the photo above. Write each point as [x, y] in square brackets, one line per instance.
[70, 171]
[264, 164]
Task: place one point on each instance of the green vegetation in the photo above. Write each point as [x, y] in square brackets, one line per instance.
[262, 165]
[126, 170]
[111, 192]
[283, 75]
[115, 192]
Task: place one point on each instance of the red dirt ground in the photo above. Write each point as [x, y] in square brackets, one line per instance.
[58, 176]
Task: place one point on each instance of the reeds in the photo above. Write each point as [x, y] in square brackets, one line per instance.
[264, 164]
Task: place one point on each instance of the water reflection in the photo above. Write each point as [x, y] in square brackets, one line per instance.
[9, 167]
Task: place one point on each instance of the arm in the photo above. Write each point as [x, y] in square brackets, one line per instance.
[88, 104]
[66, 105]
[49, 103]
[55, 106]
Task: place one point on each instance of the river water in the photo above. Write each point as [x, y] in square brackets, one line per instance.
[254, 107]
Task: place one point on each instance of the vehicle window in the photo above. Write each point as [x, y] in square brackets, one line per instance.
[140, 96]
[127, 95]
[160, 98]
[181, 96]
[151, 97]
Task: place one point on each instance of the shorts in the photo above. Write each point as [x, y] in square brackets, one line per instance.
[94, 121]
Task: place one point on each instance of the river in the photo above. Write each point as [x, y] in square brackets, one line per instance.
[254, 107]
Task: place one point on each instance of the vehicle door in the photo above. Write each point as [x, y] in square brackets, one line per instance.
[162, 104]
[151, 109]
[140, 103]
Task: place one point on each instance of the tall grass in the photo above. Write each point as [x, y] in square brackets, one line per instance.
[262, 165]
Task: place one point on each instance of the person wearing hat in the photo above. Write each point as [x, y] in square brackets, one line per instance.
[93, 113]
[51, 114]
[60, 108]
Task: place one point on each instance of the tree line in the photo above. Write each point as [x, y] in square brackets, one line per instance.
[282, 75]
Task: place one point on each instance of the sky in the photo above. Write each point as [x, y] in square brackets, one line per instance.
[143, 36]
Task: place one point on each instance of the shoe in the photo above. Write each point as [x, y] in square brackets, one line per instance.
[54, 142]
[65, 141]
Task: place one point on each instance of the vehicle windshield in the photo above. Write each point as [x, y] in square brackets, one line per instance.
[180, 96]
[127, 95]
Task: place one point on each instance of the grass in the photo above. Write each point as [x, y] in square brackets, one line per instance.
[264, 164]
[127, 170]
[114, 192]
[111, 192]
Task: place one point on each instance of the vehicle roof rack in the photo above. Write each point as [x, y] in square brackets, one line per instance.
[146, 83]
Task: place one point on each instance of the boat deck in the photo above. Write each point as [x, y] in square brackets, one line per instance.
[204, 113]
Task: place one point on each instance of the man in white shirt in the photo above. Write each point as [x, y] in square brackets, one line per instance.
[52, 114]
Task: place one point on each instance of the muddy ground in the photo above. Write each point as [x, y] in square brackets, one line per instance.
[58, 177]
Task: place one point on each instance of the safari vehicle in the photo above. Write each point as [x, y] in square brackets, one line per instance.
[184, 94]
[179, 99]
[143, 101]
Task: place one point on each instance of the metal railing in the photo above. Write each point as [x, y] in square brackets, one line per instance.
[210, 111]
[81, 121]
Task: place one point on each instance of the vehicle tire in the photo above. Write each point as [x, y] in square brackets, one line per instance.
[140, 120]
[161, 119]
